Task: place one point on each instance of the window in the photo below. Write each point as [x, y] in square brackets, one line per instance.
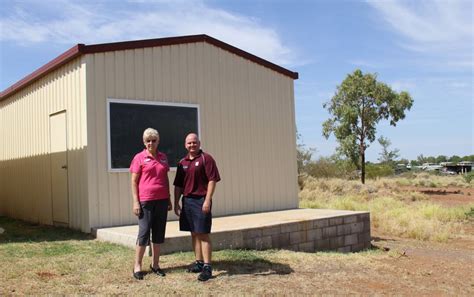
[127, 119]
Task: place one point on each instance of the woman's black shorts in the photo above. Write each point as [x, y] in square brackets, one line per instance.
[192, 218]
[153, 216]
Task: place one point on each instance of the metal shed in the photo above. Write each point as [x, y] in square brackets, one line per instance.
[60, 127]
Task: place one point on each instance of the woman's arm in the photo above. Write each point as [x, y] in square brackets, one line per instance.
[136, 201]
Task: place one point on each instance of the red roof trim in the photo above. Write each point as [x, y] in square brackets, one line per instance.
[62, 59]
[125, 45]
[249, 56]
[81, 49]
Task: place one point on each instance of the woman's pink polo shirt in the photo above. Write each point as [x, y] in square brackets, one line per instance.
[153, 181]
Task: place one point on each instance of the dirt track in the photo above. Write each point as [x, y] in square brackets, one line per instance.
[450, 196]
[432, 268]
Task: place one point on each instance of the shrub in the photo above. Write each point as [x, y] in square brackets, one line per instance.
[328, 168]
[468, 177]
[373, 171]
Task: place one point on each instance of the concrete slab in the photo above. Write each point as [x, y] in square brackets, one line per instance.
[261, 231]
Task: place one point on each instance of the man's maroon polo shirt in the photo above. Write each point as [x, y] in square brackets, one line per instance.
[194, 175]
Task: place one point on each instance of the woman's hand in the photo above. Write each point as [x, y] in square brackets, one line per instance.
[170, 206]
[136, 208]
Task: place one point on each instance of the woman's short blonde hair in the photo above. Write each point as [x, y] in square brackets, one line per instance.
[150, 132]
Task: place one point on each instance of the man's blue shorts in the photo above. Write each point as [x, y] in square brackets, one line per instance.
[192, 218]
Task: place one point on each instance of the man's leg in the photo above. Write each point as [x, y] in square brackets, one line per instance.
[206, 247]
[199, 263]
[197, 247]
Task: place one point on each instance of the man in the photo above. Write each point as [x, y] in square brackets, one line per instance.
[195, 180]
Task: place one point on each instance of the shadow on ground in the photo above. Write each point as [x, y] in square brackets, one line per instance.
[19, 231]
[261, 267]
[258, 267]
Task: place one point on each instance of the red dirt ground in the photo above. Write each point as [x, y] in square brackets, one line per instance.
[448, 196]
[431, 268]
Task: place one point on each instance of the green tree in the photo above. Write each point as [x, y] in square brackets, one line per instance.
[421, 159]
[387, 156]
[468, 158]
[404, 161]
[303, 155]
[441, 158]
[358, 105]
[430, 159]
[455, 159]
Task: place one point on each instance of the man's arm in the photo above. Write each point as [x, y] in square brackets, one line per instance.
[136, 202]
[178, 191]
[211, 186]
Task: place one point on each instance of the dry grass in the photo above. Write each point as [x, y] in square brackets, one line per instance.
[394, 209]
[424, 179]
[39, 260]
[75, 264]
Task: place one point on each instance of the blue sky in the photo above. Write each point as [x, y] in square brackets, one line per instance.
[423, 47]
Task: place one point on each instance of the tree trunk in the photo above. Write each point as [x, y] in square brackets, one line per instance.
[362, 163]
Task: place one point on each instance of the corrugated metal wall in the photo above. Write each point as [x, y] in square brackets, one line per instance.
[25, 173]
[246, 116]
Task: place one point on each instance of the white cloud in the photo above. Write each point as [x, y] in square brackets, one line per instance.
[364, 64]
[436, 27]
[402, 85]
[71, 22]
[459, 85]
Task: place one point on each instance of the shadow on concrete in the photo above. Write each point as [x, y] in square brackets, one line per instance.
[12, 230]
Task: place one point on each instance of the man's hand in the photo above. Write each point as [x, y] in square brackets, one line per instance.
[136, 208]
[177, 209]
[206, 206]
[178, 191]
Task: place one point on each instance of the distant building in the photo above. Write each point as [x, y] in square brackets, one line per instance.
[431, 167]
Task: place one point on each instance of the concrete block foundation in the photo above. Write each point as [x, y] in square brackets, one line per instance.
[306, 230]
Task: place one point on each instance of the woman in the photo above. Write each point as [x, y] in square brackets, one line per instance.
[151, 200]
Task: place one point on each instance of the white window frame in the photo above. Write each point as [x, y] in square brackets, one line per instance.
[143, 102]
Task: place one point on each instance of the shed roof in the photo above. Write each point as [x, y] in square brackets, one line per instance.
[81, 49]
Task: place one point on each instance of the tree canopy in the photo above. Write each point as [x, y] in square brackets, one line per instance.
[359, 104]
[388, 156]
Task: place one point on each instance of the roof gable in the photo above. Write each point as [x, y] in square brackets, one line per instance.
[81, 49]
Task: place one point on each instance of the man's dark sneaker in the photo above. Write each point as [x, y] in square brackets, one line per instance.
[196, 267]
[157, 271]
[206, 273]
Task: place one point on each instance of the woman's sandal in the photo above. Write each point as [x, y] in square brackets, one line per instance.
[138, 275]
[157, 271]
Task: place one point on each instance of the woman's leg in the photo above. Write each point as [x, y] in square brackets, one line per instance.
[160, 215]
[143, 239]
[139, 252]
[156, 255]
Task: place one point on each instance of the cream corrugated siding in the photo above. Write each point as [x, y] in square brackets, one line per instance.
[246, 120]
[25, 175]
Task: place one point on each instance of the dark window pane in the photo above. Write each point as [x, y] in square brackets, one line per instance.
[128, 121]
